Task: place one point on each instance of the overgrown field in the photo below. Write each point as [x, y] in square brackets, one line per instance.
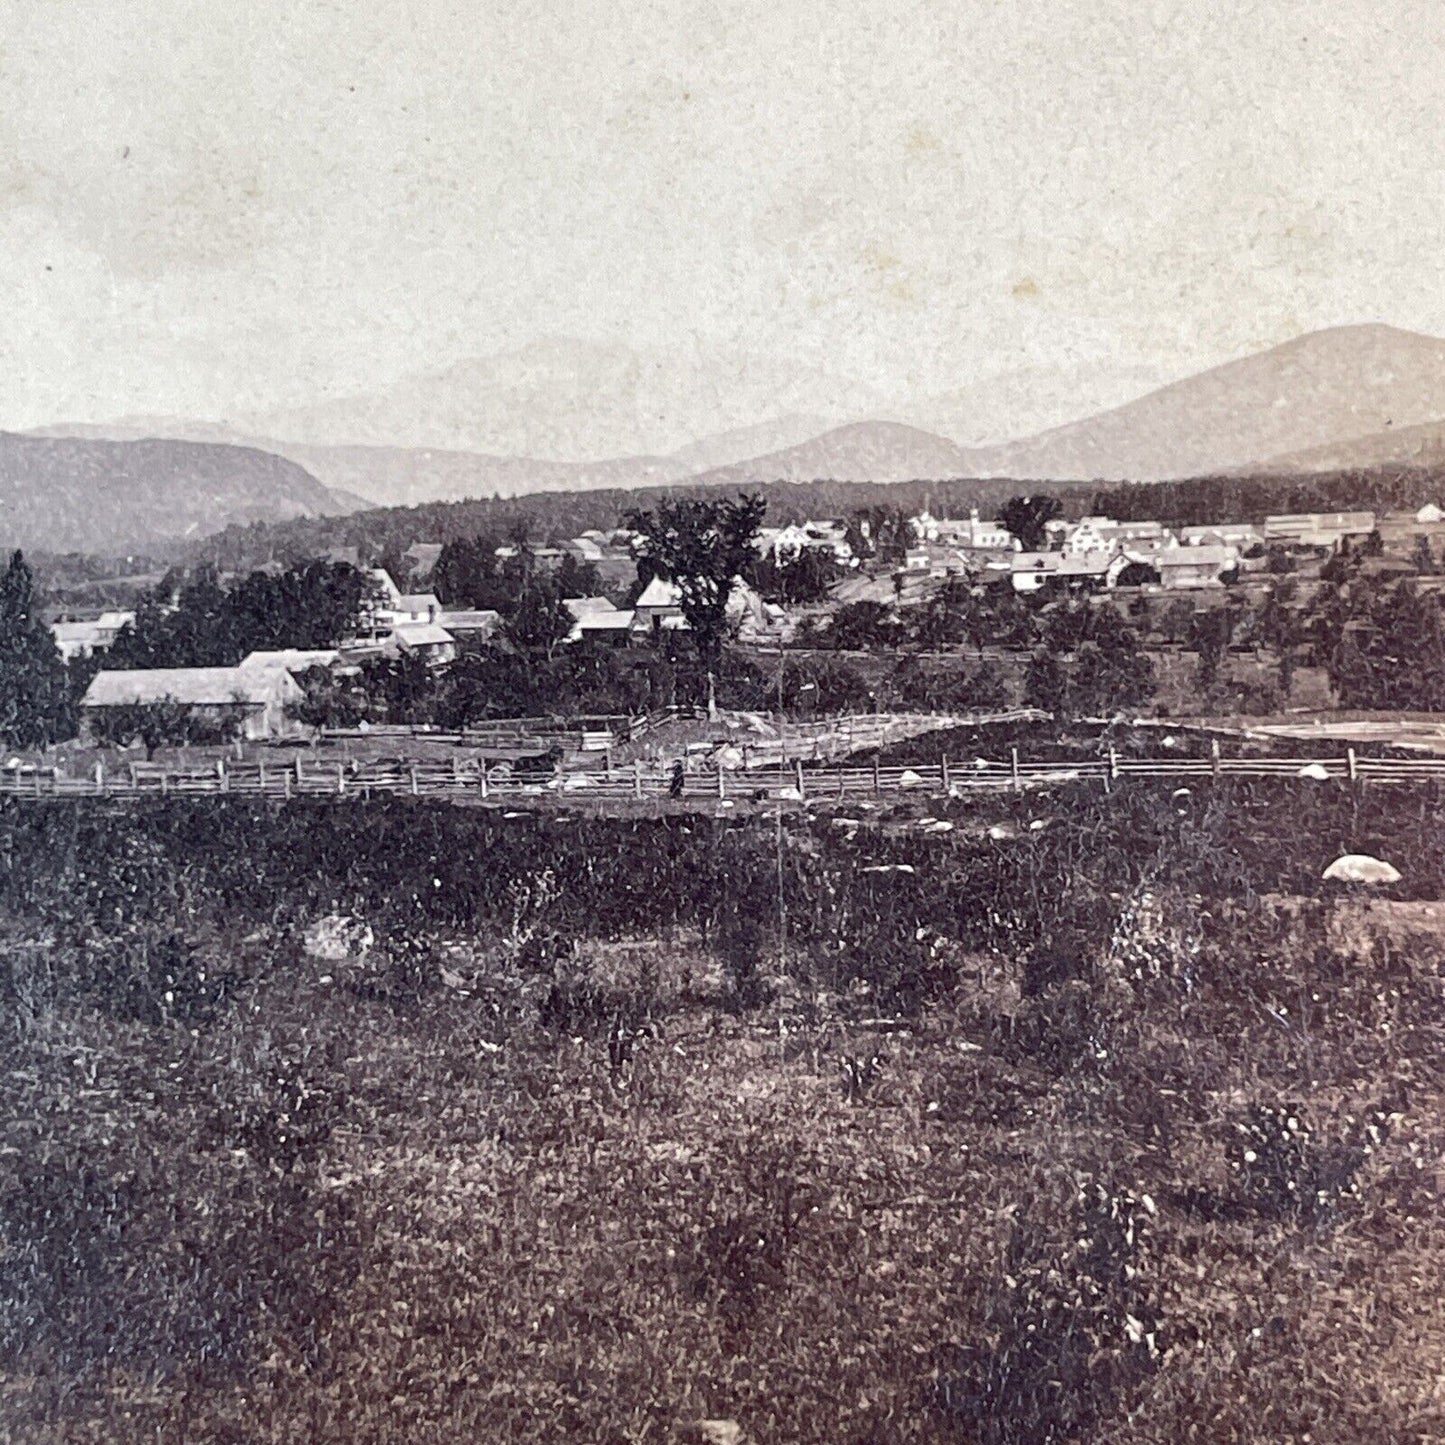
[1096, 1118]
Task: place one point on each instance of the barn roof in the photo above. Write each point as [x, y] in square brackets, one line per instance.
[193, 686]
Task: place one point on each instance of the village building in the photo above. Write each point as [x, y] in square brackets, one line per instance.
[659, 609]
[1241, 535]
[1092, 535]
[609, 627]
[253, 700]
[789, 542]
[297, 661]
[1195, 566]
[85, 639]
[1091, 571]
[427, 640]
[470, 624]
[970, 534]
[1318, 529]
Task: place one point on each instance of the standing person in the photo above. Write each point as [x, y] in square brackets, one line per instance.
[674, 788]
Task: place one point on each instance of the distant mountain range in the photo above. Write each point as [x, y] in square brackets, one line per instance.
[1350, 397]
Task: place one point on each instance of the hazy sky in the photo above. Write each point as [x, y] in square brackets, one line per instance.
[221, 209]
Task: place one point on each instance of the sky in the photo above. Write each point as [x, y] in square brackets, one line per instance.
[994, 212]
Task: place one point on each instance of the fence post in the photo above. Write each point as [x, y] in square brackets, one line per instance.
[298, 774]
[877, 781]
[286, 783]
[222, 782]
[1214, 758]
[1014, 768]
[798, 771]
[100, 778]
[261, 775]
[637, 778]
[1354, 769]
[945, 772]
[721, 785]
[412, 772]
[340, 778]
[484, 777]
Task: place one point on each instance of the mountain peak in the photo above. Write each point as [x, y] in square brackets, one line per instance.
[1314, 391]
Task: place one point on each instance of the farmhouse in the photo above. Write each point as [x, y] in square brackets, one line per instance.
[659, 607]
[1194, 566]
[607, 627]
[254, 699]
[427, 640]
[969, 534]
[84, 639]
[1091, 571]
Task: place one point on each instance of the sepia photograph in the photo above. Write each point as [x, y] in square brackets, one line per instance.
[722, 723]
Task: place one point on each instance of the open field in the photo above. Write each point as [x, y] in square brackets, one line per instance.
[1120, 1127]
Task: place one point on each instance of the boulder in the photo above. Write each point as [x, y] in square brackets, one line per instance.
[1361, 868]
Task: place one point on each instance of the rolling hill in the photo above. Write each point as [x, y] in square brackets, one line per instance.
[1408, 446]
[870, 451]
[79, 494]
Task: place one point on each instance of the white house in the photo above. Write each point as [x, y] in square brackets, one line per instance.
[970, 534]
[84, 639]
[427, 640]
[659, 607]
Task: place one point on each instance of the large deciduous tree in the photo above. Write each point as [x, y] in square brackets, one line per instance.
[702, 547]
[1025, 518]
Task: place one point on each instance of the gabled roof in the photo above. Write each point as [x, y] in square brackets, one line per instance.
[581, 607]
[611, 621]
[192, 686]
[1202, 556]
[422, 634]
[660, 593]
[467, 620]
[292, 659]
[77, 631]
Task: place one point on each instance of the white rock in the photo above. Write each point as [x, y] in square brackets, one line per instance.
[1361, 868]
[1316, 771]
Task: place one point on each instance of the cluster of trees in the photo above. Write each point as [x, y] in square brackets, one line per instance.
[195, 620]
[803, 577]
[1089, 663]
[1383, 647]
[1202, 501]
[470, 574]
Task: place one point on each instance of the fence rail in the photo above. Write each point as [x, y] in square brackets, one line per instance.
[469, 780]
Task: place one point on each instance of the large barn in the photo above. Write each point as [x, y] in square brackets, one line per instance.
[256, 697]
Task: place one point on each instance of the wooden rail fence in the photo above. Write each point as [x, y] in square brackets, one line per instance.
[467, 780]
